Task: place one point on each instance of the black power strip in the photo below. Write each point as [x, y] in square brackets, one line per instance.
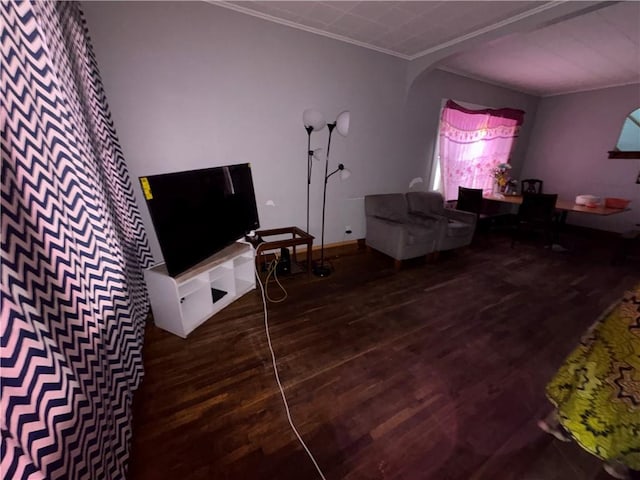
[284, 262]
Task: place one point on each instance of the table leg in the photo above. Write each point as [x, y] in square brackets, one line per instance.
[560, 221]
[309, 253]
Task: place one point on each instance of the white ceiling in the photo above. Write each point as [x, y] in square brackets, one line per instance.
[403, 29]
[593, 50]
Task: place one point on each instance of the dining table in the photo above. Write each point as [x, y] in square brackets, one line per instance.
[563, 205]
[563, 208]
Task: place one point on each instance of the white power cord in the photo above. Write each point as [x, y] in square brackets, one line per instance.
[272, 270]
[275, 371]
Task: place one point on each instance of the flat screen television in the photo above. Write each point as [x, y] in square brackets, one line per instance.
[199, 212]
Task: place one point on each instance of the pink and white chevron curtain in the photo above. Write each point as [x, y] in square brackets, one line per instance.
[73, 251]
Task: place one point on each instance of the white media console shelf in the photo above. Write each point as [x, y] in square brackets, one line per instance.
[181, 303]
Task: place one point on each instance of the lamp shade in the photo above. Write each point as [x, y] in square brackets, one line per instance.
[342, 123]
[313, 118]
[345, 173]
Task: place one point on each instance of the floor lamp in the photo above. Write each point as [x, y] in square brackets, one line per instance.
[342, 125]
[313, 122]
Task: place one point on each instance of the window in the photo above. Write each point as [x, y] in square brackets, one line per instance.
[628, 145]
[471, 143]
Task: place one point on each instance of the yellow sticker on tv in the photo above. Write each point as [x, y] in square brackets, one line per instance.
[146, 188]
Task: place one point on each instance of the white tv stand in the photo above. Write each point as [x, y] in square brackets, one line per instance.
[182, 303]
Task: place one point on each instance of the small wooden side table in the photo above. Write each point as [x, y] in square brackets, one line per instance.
[298, 237]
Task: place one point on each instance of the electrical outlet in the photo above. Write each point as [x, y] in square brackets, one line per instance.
[347, 229]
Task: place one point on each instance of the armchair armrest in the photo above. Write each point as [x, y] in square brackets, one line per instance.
[386, 235]
[461, 216]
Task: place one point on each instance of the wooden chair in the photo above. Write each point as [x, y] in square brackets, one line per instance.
[536, 213]
[488, 213]
[531, 185]
[469, 200]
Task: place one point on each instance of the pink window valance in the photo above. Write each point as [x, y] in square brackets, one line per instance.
[473, 143]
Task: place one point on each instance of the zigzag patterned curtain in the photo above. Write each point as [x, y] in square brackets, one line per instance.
[73, 250]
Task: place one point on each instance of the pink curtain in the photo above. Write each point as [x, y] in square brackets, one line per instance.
[473, 143]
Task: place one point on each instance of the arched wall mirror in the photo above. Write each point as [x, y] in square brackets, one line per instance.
[628, 145]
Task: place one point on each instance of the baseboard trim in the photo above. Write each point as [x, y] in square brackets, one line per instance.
[357, 242]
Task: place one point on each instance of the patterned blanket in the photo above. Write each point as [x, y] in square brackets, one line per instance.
[597, 389]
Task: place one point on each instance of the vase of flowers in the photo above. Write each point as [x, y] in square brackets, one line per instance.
[501, 177]
[511, 188]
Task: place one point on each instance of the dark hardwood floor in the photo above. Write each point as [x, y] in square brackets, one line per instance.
[433, 372]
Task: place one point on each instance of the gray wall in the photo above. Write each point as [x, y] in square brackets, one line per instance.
[569, 145]
[192, 85]
[423, 109]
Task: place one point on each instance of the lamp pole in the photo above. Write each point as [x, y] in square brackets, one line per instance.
[320, 270]
[309, 129]
[342, 125]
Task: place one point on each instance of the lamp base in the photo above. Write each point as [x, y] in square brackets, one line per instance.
[320, 270]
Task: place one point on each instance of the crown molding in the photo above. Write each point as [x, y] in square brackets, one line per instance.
[591, 89]
[435, 48]
[487, 29]
[533, 93]
[305, 28]
[495, 83]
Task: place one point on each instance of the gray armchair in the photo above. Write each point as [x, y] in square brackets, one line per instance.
[456, 226]
[394, 232]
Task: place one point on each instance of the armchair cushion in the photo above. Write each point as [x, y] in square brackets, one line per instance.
[425, 218]
[456, 228]
[461, 216]
[459, 229]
